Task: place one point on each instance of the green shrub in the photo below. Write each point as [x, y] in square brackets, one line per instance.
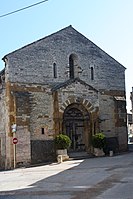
[62, 141]
[98, 140]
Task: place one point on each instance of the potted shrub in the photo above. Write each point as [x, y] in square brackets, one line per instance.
[62, 143]
[98, 143]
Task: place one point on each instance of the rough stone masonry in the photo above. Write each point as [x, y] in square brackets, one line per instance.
[62, 83]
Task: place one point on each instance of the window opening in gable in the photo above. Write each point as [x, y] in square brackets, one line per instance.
[73, 63]
[55, 70]
[92, 73]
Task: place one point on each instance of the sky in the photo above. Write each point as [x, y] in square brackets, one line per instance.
[107, 23]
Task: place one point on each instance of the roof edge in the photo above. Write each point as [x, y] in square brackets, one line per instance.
[70, 26]
[70, 81]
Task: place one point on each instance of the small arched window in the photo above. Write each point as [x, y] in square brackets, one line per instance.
[73, 63]
[55, 70]
[92, 73]
[71, 66]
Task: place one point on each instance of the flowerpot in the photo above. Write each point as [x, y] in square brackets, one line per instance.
[63, 153]
[98, 152]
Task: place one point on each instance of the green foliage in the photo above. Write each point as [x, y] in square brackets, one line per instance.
[62, 141]
[98, 140]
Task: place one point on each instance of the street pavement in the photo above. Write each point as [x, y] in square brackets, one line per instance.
[91, 178]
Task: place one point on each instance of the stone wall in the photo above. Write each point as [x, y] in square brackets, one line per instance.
[33, 114]
[2, 128]
[77, 90]
[41, 115]
[42, 151]
[107, 115]
[34, 63]
[23, 148]
[113, 117]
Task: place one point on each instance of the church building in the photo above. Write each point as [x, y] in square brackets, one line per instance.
[62, 83]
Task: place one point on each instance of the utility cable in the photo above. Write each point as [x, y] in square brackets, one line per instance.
[4, 15]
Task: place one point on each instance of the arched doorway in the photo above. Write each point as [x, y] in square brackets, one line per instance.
[76, 125]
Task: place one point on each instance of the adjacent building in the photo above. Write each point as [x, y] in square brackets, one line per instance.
[130, 120]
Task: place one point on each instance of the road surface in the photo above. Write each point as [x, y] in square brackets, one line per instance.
[92, 178]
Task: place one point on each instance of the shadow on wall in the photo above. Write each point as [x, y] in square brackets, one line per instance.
[42, 151]
[111, 145]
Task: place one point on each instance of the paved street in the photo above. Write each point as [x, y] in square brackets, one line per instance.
[93, 178]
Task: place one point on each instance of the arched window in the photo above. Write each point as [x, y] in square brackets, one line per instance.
[55, 70]
[92, 73]
[73, 64]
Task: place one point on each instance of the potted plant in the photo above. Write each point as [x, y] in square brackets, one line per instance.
[98, 143]
[62, 143]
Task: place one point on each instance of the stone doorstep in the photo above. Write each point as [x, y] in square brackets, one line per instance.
[79, 155]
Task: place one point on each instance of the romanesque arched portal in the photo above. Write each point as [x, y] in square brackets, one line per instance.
[76, 124]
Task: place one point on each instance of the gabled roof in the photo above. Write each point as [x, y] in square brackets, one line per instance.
[48, 36]
[69, 30]
[69, 82]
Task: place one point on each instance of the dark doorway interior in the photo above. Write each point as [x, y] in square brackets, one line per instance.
[73, 126]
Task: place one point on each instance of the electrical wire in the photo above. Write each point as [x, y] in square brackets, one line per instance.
[4, 15]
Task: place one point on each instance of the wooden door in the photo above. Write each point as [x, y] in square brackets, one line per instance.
[74, 128]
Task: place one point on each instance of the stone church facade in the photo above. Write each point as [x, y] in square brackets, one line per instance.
[61, 83]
